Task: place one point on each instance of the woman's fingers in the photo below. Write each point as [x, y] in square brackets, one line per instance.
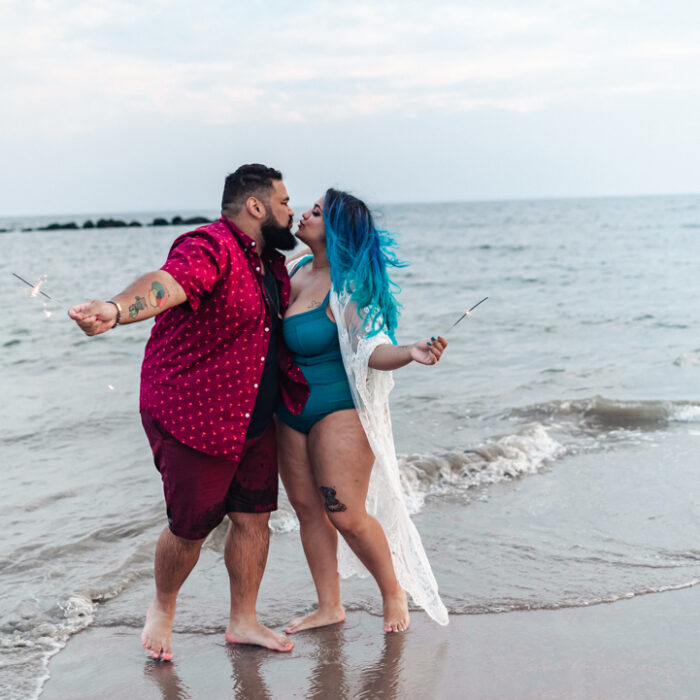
[437, 347]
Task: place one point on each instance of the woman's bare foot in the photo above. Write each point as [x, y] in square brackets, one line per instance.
[156, 636]
[396, 617]
[252, 632]
[318, 618]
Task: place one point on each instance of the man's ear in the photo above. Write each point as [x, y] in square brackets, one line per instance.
[255, 208]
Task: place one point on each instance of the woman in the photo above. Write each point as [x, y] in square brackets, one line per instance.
[337, 458]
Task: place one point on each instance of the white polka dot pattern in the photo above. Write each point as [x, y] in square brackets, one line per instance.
[202, 365]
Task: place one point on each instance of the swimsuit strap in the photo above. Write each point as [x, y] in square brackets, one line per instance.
[300, 264]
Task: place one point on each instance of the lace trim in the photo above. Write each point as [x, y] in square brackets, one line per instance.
[385, 498]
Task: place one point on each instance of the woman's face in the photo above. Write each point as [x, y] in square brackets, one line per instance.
[311, 229]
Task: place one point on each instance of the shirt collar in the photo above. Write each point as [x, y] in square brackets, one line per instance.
[272, 257]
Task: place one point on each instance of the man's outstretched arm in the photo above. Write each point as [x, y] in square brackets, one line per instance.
[149, 295]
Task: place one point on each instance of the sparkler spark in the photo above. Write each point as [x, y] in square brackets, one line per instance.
[468, 312]
[36, 289]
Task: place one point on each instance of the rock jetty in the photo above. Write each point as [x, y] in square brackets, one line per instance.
[119, 223]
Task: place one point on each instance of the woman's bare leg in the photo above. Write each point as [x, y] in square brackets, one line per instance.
[318, 536]
[342, 462]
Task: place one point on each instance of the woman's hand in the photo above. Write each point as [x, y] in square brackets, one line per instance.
[388, 357]
[428, 352]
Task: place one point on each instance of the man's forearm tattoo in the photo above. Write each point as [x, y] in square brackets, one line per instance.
[138, 305]
[157, 298]
[333, 505]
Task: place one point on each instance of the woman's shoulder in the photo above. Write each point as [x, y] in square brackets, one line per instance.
[297, 262]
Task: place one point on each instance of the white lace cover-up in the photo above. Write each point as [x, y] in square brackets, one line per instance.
[385, 499]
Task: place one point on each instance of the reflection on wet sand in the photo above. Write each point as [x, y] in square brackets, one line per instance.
[383, 678]
[351, 660]
[164, 675]
[246, 663]
[327, 677]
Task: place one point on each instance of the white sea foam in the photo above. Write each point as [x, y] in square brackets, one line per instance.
[503, 459]
[284, 520]
[688, 359]
[584, 602]
[39, 640]
[686, 413]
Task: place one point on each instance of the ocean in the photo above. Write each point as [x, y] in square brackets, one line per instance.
[550, 459]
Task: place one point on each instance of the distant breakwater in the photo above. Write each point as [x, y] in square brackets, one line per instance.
[117, 223]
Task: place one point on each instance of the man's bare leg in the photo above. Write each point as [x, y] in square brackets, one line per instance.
[175, 558]
[247, 542]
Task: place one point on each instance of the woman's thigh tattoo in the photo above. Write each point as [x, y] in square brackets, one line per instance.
[333, 505]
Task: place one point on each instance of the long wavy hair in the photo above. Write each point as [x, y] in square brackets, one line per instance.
[359, 255]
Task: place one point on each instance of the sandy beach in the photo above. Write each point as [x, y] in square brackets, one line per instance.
[645, 647]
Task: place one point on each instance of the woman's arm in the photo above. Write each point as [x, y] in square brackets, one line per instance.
[387, 357]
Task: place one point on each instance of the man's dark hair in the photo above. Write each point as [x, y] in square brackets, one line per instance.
[252, 180]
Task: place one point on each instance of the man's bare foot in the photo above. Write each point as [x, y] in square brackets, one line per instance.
[156, 637]
[396, 617]
[252, 632]
[318, 618]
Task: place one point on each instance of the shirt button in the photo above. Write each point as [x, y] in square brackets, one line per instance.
[267, 330]
[262, 359]
[255, 386]
[247, 415]
[257, 269]
[253, 244]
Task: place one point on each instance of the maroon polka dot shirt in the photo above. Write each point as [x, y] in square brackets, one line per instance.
[204, 359]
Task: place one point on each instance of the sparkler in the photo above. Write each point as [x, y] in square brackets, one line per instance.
[466, 313]
[36, 289]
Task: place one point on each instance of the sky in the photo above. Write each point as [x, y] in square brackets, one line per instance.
[143, 105]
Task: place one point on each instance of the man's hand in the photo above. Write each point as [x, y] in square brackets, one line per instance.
[149, 295]
[94, 317]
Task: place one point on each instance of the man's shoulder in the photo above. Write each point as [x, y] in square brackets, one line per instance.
[215, 235]
[216, 229]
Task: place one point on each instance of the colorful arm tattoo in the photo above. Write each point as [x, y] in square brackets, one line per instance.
[138, 305]
[158, 296]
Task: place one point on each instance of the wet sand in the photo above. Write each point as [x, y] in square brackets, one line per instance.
[646, 647]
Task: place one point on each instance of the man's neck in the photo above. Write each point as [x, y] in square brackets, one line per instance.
[250, 230]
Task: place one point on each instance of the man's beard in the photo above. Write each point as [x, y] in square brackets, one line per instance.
[276, 236]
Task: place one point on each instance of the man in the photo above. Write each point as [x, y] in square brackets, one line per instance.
[213, 370]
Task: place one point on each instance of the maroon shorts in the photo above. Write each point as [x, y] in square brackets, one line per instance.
[200, 489]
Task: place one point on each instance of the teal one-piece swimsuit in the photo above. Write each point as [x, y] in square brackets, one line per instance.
[313, 339]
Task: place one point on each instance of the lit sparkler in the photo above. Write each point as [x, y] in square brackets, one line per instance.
[467, 313]
[36, 290]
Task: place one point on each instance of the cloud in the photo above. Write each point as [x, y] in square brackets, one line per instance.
[75, 66]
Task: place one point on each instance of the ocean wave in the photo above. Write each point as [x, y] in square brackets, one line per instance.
[688, 359]
[599, 415]
[423, 475]
[502, 459]
[32, 641]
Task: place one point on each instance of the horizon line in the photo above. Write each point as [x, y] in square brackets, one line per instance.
[372, 204]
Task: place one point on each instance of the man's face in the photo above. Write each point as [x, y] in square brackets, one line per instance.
[276, 229]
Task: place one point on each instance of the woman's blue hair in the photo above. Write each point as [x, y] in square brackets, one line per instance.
[359, 255]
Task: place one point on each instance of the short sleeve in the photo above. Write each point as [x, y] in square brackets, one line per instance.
[197, 261]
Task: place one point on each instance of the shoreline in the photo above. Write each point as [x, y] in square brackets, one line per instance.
[643, 647]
